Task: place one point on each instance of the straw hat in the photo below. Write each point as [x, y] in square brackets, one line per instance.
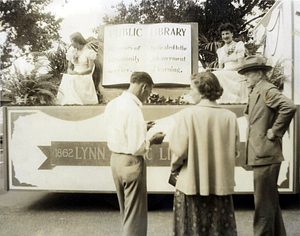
[254, 62]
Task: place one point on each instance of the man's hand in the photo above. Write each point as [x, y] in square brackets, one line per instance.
[211, 69]
[157, 138]
[270, 134]
[150, 124]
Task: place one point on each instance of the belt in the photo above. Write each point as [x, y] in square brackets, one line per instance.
[127, 154]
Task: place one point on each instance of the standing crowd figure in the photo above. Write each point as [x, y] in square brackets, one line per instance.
[126, 138]
[269, 114]
[205, 143]
[77, 86]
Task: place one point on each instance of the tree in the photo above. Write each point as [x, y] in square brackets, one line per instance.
[27, 28]
[156, 11]
[209, 14]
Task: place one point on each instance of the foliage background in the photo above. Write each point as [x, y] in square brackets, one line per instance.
[28, 28]
[209, 15]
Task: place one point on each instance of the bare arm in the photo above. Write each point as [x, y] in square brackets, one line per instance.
[89, 69]
[86, 71]
[221, 66]
[237, 67]
[70, 67]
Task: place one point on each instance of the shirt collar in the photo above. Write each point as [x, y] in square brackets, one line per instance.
[133, 97]
[208, 103]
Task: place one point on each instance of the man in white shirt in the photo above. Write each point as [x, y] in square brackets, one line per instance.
[126, 138]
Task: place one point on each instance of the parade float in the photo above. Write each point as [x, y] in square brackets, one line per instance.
[63, 148]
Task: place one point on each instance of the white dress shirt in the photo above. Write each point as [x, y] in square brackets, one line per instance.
[125, 125]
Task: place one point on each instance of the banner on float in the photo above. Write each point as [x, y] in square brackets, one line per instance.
[95, 154]
[162, 50]
[65, 148]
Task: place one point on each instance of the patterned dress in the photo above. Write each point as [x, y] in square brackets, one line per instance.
[203, 215]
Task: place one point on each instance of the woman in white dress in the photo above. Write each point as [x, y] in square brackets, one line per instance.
[230, 58]
[77, 86]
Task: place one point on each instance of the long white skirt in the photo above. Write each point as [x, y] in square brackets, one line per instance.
[77, 89]
[234, 85]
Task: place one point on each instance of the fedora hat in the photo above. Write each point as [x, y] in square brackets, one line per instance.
[254, 62]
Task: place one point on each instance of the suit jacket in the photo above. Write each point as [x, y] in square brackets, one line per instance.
[267, 108]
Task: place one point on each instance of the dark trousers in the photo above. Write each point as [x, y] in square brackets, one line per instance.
[267, 217]
[129, 174]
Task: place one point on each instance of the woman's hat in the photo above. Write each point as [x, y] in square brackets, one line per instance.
[254, 62]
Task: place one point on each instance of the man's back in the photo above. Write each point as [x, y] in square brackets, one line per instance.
[126, 128]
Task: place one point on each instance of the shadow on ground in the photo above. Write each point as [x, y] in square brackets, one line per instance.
[73, 202]
[109, 202]
[93, 202]
[246, 201]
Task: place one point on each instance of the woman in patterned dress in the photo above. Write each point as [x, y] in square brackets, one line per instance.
[77, 86]
[230, 58]
[204, 143]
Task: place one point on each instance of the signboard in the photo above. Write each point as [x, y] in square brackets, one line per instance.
[162, 50]
[64, 149]
[94, 154]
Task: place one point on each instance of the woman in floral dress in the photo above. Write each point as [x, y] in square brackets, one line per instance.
[204, 143]
[77, 86]
[230, 58]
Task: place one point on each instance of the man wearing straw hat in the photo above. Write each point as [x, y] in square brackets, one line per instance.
[269, 114]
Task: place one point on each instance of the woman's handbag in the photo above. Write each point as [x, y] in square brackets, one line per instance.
[173, 177]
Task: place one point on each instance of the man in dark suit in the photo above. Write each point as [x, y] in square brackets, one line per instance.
[269, 114]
